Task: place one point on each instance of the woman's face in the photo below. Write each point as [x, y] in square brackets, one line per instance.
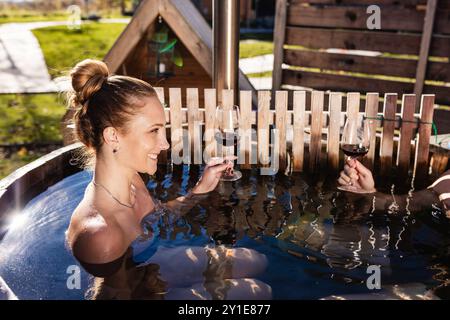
[145, 138]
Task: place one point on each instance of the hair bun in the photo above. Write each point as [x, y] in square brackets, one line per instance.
[88, 76]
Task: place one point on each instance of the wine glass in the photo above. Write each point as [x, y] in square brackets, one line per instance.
[227, 120]
[355, 140]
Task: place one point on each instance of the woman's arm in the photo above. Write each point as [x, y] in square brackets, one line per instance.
[208, 182]
[359, 179]
[410, 203]
[182, 205]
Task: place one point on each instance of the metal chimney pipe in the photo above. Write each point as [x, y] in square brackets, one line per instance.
[226, 46]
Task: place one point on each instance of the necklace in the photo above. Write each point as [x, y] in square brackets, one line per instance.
[121, 203]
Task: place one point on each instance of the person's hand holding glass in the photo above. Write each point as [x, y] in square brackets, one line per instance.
[355, 143]
[227, 120]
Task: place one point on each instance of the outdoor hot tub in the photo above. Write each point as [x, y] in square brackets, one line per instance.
[317, 242]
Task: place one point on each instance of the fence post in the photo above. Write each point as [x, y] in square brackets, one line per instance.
[425, 47]
[335, 109]
[315, 144]
[387, 137]
[423, 139]
[298, 142]
[406, 133]
[279, 34]
[372, 99]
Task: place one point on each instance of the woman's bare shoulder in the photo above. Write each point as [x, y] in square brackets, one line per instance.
[93, 237]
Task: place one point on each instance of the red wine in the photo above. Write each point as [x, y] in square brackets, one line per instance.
[354, 150]
[227, 139]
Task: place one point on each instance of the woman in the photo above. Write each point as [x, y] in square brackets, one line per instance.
[122, 124]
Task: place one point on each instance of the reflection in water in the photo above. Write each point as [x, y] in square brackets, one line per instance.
[291, 237]
[187, 273]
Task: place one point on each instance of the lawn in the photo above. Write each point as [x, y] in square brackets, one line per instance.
[28, 119]
[31, 118]
[253, 48]
[16, 15]
[63, 48]
[9, 16]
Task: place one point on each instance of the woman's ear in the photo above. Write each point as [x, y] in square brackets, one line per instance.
[111, 138]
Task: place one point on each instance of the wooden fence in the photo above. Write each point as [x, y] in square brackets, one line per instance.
[410, 53]
[307, 132]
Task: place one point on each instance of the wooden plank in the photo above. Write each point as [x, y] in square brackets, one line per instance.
[315, 145]
[195, 140]
[263, 127]
[281, 101]
[335, 108]
[245, 143]
[228, 98]
[438, 71]
[160, 92]
[353, 101]
[345, 83]
[425, 47]
[387, 136]
[145, 14]
[394, 18]
[444, 4]
[320, 38]
[210, 122]
[176, 130]
[361, 2]
[279, 31]
[228, 103]
[371, 112]
[406, 133]
[298, 129]
[423, 140]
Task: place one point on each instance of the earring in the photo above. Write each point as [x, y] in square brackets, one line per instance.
[114, 150]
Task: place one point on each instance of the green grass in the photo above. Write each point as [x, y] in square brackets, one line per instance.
[28, 119]
[63, 48]
[31, 118]
[9, 15]
[248, 49]
[259, 74]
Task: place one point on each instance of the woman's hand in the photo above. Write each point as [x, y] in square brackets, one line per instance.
[213, 171]
[357, 178]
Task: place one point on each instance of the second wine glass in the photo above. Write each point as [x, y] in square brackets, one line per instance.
[355, 140]
[227, 120]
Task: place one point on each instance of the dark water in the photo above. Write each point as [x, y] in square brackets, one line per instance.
[303, 240]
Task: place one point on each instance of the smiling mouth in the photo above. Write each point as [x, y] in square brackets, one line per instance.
[153, 156]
